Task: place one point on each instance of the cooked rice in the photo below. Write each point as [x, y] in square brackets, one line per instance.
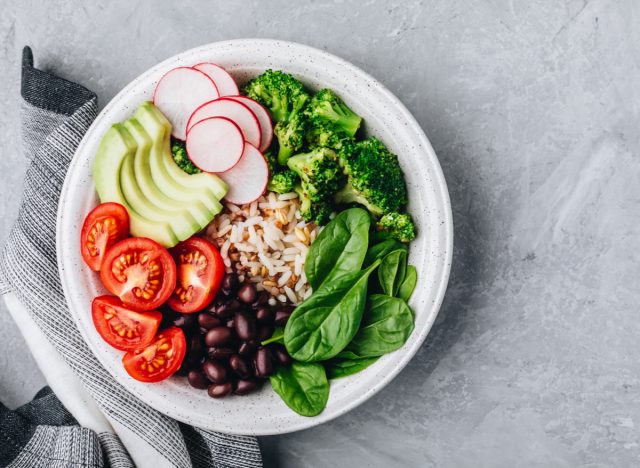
[266, 242]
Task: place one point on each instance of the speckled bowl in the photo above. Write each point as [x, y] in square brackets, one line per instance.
[264, 413]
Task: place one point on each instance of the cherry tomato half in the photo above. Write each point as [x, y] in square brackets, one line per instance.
[160, 359]
[123, 328]
[105, 225]
[140, 272]
[200, 271]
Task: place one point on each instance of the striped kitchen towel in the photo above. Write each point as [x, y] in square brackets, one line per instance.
[91, 420]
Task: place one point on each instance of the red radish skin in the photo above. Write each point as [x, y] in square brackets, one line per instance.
[226, 84]
[215, 144]
[232, 110]
[248, 179]
[266, 126]
[179, 92]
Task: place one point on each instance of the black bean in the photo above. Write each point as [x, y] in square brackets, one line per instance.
[218, 336]
[245, 325]
[207, 321]
[221, 353]
[184, 321]
[282, 316]
[197, 379]
[194, 350]
[247, 348]
[229, 282]
[264, 332]
[263, 362]
[230, 323]
[245, 386]
[240, 366]
[281, 354]
[247, 293]
[219, 390]
[262, 299]
[264, 315]
[215, 371]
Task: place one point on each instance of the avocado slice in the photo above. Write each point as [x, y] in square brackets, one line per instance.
[135, 187]
[115, 147]
[202, 205]
[155, 123]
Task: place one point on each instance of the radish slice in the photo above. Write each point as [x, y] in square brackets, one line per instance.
[225, 83]
[179, 92]
[215, 144]
[248, 179]
[233, 110]
[266, 127]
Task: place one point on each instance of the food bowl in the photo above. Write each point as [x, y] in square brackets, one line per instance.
[264, 413]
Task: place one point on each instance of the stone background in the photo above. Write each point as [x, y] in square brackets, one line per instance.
[533, 109]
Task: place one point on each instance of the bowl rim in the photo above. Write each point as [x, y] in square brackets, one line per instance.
[438, 181]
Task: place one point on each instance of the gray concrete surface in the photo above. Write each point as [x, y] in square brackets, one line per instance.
[533, 108]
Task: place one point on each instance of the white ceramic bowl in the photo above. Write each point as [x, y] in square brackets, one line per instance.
[264, 413]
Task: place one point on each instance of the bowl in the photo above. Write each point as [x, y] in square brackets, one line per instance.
[264, 413]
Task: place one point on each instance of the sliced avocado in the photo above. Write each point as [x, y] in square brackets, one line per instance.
[115, 147]
[153, 120]
[135, 186]
[201, 204]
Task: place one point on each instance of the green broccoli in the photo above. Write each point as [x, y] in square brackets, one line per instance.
[374, 178]
[290, 137]
[398, 225]
[323, 134]
[328, 107]
[282, 182]
[320, 177]
[179, 153]
[285, 97]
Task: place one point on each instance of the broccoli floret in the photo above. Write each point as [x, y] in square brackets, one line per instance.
[398, 225]
[179, 153]
[285, 97]
[290, 137]
[327, 106]
[323, 134]
[374, 178]
[283, 182]
[320, 177]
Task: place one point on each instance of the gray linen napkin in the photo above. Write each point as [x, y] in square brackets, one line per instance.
[55, 115]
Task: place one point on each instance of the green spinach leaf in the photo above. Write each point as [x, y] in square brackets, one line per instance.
[386, 325]
[303, 386]
[392, 271]
[380, 250]
[340, 247]
[338, 368]
[325, 323]
[408, 284]
[276, 337]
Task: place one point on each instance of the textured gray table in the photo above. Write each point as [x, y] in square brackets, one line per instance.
[534, 110]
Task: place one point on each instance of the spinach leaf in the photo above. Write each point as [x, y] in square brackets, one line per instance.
[392, 271]
[386, 325]
[325, 323]
[379, 251]
[339, 248]
[302, 386]
[409, 284]
[338, 368]
[276, 337]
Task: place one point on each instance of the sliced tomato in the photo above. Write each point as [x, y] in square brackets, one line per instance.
[140, 272]
[105, 225]
[158, 360]
[123, 328]
[200, 271]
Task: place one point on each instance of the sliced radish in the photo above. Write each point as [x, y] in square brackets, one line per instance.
[248, 179]
[225, 83]
[233, 110]
[215, 144]
[266, 127]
